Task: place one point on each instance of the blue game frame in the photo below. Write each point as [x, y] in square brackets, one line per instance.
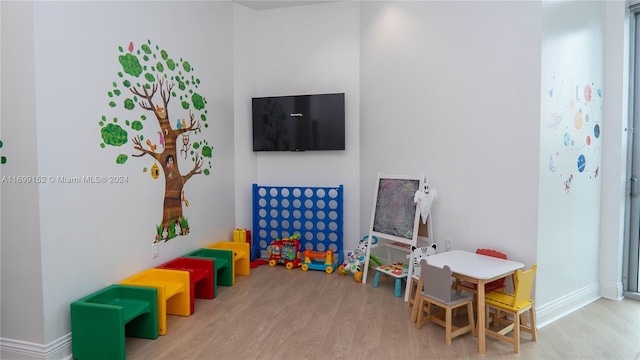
[316, 213]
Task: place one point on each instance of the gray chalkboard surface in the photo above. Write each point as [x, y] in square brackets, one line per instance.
[395, 214]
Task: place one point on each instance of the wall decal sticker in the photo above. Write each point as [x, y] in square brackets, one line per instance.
[3, 160]
[155, 171]
[572, 133]
[151, 87]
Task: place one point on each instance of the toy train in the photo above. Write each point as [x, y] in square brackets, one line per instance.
[287, 252]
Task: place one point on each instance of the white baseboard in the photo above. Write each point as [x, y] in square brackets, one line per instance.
[59, 349]
[550, 312]
[612, 291]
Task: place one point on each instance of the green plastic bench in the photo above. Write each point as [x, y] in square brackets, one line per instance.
[100, 321]
[222, 261]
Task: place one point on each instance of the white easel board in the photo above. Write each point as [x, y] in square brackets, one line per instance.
[394, 217]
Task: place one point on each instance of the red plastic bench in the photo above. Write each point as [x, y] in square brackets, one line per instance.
[201, 276]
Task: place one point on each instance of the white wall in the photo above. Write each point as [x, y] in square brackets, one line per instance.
[424, 93]
[21, 267]
[91, 235]
[300, 51]
[616, 60]
[571, 125]
[244, 87]
[452, 89]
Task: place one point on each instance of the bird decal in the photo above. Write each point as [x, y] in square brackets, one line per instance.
[131, 47]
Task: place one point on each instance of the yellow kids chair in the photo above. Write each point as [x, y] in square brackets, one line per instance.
[516, 304]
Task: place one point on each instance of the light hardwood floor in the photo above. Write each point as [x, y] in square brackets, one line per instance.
[290, 314]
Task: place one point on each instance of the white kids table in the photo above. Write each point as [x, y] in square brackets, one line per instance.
[477, 269]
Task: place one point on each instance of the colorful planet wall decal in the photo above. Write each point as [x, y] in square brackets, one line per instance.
[571, 135]
[582, 162]
[587, 93]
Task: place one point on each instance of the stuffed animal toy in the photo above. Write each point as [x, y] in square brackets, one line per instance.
[424, 197]
[418, 253]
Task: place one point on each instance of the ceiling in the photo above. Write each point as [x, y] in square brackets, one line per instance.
[269, 4]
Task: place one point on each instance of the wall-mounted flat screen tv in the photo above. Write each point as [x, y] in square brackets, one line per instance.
[298, 122]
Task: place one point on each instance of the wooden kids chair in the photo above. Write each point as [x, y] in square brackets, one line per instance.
[437, 291]
[417, 253]
[516, 304]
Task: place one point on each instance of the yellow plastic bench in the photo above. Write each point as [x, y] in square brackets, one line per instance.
[174, 292]
[241, 262]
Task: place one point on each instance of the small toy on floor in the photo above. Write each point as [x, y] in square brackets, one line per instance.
[398, 271]
[355, 259]
[285, 251]
[318, 260]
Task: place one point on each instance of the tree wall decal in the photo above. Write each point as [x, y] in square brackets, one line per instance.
[151, 84]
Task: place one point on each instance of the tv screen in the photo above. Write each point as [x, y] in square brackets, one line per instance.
[298, 122]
